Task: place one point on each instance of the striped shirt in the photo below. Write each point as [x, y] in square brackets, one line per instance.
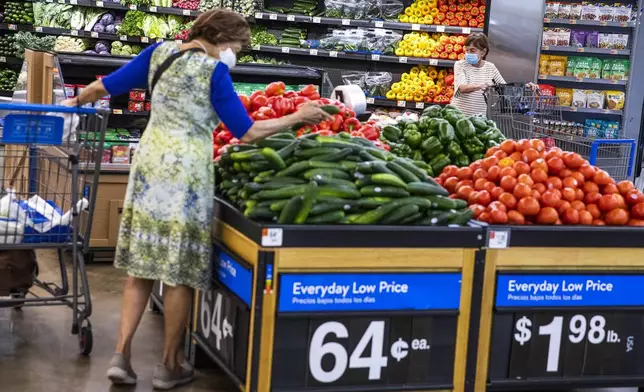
[473, 103]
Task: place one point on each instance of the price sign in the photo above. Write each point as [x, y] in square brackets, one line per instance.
[378, 350]
[132, 7]
[378, 24]
[123, 38]
[375, 57]
[145, 40]
[152, 9]
[185, 12]
[73, 2]
[3, 59]
[567, 326]
[415, 26]
[117, 111]
[401, 104]
[286, 49]
[346, 22]
[38, 29]
[440, 29]
[223, 314]
[272, 16]
[99, 4]
[467, 30]
[290, 18]
[420, 105]
[433, 62]
[74, 33]
[402, 60]
[93, 34]
[12, 27]
[317, 19]
[371, 100]
[333, 53]
[259, 15]
[313, 52]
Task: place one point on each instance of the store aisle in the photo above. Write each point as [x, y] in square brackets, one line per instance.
[38, 353]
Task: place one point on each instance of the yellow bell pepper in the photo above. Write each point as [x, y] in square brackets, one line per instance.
[423, 91]
[400, 96]
[418, 97]
[432, 3]
[403, 18]
[441, 82]
[414, 70]
[409, 11]
[425, 10]
[433, 12]
[442, 73]
[428, 19]
[399, 52]
[390, 95]
[433, 74]
[409, 53]
[418, 53]
[404, 77]
[409, 97]
[414, 6]
[396, 87]
[422, 3]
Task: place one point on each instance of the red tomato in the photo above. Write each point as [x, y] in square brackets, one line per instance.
[601, 177]
[484, 217]
[491, 151]
[570, 182]
[523, 145]
[477, 209]
[489, 186]
[638, 211]
[539, 175]
[579, 194]
[578, 205]
[633, 197]
[579, 177]
[590, 187]
[599, 222]
[530, 155]
[464, 173]
[636, 222]
[450, 170]
[496, 192]
[585, 218]
[587, 170]
[508, 146]
[497, 205]
[592, 198]
[553, 152]
[536, 194]
[569, 194]
[550, 199]
[479, 173]
[562, 206]
[489, 162]
[528, 206]
[508, 183]
[539, 164]
[516, 156]
[475, 165]
[608, 202]
[508, 200]
[540, 188]
[508, 171]
[554, 183]
[547, 216]
[522, 190]
[555, 165]
[565, 172]
[464, 192]
[538, 145]
[498, 217]
[479, 184]
[521, 167]
[483, 198]
[625, 187]
[594, 210]
[494, 173]
[620, 201]
[610, 188]
[450, 184]
[500, 155]
[526, 179]
[472, 198]
[570, 216]
[616, 217]
[516, 218]
[573, 160]
[463, 183]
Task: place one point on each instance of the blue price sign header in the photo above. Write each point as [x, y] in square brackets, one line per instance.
[366, 292]
[569, 290]
[234, 276]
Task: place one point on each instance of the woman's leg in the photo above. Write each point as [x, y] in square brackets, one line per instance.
[135, 298]
[176, 308]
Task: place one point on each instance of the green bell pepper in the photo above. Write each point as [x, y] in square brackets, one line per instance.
[473, 146]
[431, 147]
[462, 161]
[418, 156]
[477, 156]
[432, 111]
[413, 137]
[392, 133]
[402, 150]
[492, 134]
[439, 162]
[479, 123]
[423, 124]
[465, 129]
[454, 150]
[445, 132]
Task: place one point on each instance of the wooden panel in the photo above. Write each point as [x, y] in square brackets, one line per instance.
[269, 311]
[460, 359]
[485, 325]
[236, 241]
[569, 258]
[344, 259]
[116, 209]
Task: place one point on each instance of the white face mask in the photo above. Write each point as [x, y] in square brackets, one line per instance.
[228, 57]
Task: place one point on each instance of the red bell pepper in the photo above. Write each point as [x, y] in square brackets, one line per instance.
[245, 100]
[234, 141]
[324, 125]
[275, 88]
[264, 113]
[370, 132]
[309, 90]
[305, 130]
[337, 122]
[357, 134]
[351, 124]
[324, 132]
[324, 101]
[290, 94]
[297, 101]
[258, 102]
[223, 137]
[349, 113]
[382, 145]
[257, 94]
[282, 106]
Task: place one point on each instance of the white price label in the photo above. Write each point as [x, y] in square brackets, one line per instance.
[117, 111]
[179, 41]
[152, 9]
[317, 19]
[99, 4]
[73, 2]
[211, 321]
[93, 34]
[333, 53]
[346, 22]
[371, 100]
[498, 239]
[12, 27]
[433, 62]
[74, 33]
[420, 105]
[3, 59]
[440, 29]
[38, 29]
[61, 1]
[467, 30]
[49, 1]
[160, 289]
[132, 7]
[402, 60]
[259, 15]
[401, 104]
[286, 49]
[160, 40]
[272, 16]
[379, 24]
[313, 52]
[186, 12]
[123, 38]
[256, 47]
[272, 237]
[415, 26]
[290, 18]
[579, 327]
[145, 40]
[375, 57]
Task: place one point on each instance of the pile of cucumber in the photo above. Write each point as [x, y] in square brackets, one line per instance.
[331, 180]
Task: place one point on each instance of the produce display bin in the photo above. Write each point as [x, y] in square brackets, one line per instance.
[339, 308]
[562, 307]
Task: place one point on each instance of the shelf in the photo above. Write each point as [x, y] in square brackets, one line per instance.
[11, 60]
[572, 236]
[128, 113]
[571, 79]
[593, 23]
[6, 93]
[391, 103]
[118, 6]
[573, 49]
[590, 111]
[321, 20]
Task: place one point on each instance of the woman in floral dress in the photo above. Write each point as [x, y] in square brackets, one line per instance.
[166, 225]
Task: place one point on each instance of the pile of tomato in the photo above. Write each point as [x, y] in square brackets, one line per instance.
[522, 182]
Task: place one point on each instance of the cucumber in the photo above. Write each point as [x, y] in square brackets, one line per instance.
[422, 202]
[384, 191]
[329, 217]
[337, 200]
[364, 181]
[366, 157]
[365, 167]
[389, 179]
[403, 173]
[247, 155]
[426, 189]
[330, 141]
[407, 165]
[274, 158]
[442, 202]
[263, 213]
[306, 153]
[325, 180]
[327, 165]
[364, 142]
[241, 147]
[252, 187]
[284, 181]
[275, 144]
[265, 203]
[278, 206]
[460, 204]
[438, 218]
[373, 202]
[294, 169]
[283, 135]
[399, 214]
[290, 210]
[461, 218]
[333, 173]
[412, 219]
[331, 109]
[287, 151]
[283, 193]
[348, 165]
[374, 216]
[307, 203]
[378, 153]
[334, 156]
[340, 191]
[323, 208]
[309, 143]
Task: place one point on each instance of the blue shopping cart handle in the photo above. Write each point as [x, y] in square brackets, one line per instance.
[33, 107]
[614, 141]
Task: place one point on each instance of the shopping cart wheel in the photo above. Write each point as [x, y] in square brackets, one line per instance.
[85, 340]
[18, 306]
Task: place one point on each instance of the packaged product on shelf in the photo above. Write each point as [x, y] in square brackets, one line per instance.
[354, 77]
[106, 157]
[579, 98]
[564, 11]
[120, 154]
[544, 62]
[557, 65]
[595, 99]
[570, 66]
[575, 11]
[607, 69]
[595, 71]
[619, 69]
[611, 129]
[103, 103]
[137, 94]
[620, 41]
[563, 37]
[578, 38]
[552, 10]
[606, 40]
[592, 39]
[70, 90]
[390, 9]
[549, 37]
[623, 13]
[593, 128]
[378, 83]
[590, 11]
[136, 106]
[148, 106]
[615, 100]
[133, 147]
[582, 68]
[606, 13]
[565, 96]
[547, 90]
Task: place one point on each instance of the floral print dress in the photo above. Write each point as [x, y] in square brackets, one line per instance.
[166, 225]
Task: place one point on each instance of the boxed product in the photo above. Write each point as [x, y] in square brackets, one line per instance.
[607, 69]
[552, 10]
[564, 11]
[595, 71]
[575, 11]
[582, 67]
[549, 37]
[547, 90]
[557, 65]
[622, 12]
[605, 40]
[120, 154]
[579, 98]
[544, 62]
[619, 41]
[70, 90]
[107, 154]
[593, 128]
[563, 36]
[615, 100]
[578, 38]
[592, 39]
[611, 129]
[565, 96]
[619, 70]
[606, 13]
[589, 11]
[570, 66]
[595, 99]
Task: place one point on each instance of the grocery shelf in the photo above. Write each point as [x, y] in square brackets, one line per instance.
[591, 111]
[128, 113]
[392, 103]
[6, 93]
[11, 60]
[322, 20]
[571, 236]
[413, 60]
[115, 5]
[574, 49]
[571, 79]
[594, 23]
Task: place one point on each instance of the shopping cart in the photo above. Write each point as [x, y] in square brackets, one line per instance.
[50, 160]
[523, 113]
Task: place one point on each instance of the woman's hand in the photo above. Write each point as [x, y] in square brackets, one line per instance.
[312, 113]
[532, 86]
[71, 102]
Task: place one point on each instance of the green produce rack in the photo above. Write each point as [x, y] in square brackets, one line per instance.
[267, 336]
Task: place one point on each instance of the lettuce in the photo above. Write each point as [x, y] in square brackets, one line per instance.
[91, 17]
[155, 27]
[77, 20]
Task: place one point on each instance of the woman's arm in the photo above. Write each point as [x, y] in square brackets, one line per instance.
[460, 81]
[496, 75]
[231, 111]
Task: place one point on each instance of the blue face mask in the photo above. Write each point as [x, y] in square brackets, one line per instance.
[472, 58]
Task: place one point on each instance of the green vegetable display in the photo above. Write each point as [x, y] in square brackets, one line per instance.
[443, 136]
[132, 23]
[332, 180]
[24, 40]
[8, 79]
[18, 12]
[7, 47]
[259, 36]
